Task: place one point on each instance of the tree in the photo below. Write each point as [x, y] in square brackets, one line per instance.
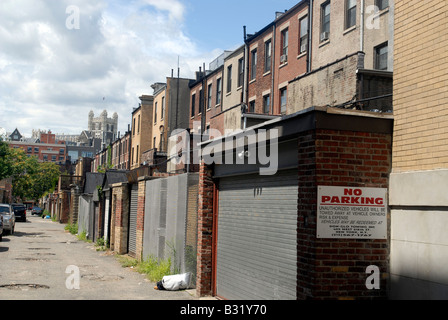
[6, 165]
[31, 178]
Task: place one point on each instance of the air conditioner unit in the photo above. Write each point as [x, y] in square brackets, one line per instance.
[324, 36]
[303, 48]
[283, 58]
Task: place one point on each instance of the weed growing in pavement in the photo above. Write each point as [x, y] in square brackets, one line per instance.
[72, 228]
[153, 268]
[83, 236]
[101, 244]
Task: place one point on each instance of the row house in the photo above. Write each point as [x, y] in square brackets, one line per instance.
[206, 96]
[260, 80]
[320, 75]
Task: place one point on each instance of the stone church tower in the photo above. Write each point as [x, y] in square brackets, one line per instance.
[103, 128]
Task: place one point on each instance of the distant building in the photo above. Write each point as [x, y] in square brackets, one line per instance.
[103, 128]
[45, 148]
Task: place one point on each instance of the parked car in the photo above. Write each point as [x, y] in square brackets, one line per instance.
[19, 211]
[36, 210]
[9, 219]
[1, 227]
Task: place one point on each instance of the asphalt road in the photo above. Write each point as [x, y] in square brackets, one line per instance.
[40, 261]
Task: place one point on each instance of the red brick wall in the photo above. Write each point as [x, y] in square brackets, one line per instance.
[205, 231]
[336, 268]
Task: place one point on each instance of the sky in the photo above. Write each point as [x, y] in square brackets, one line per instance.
[59, 59]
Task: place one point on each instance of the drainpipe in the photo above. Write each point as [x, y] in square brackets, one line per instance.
[310, 35]
[361, 40]
[274, 30]
[245, 74]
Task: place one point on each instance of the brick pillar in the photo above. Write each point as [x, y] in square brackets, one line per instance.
[336, 268]
[121, 191]
[205, 231]
[140, 219]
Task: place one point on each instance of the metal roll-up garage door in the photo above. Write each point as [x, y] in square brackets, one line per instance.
[133, 220]
[257, 237]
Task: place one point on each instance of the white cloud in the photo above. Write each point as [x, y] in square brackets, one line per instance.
[51, 76]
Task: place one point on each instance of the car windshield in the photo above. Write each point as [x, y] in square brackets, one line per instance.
[4, 210]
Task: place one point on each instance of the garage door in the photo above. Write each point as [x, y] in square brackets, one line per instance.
[133, 220]
[257, 237]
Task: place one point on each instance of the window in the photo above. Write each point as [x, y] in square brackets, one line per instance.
[284, 39]
[283, 99]
[154, 142]
[45, 157]
[303, 35]
[209, 96]
[193, 103]
[155, 113]
[36, 150]
[350, 13]
[162, 115]
[61, 151]
[218, 91]
[240, 72]
[138, 125]
[381, 57]
[29, 149]
[252, 106]
[136, 155]
[229, 78]
[325, 22]
[53, 158]
[267, 55]
[201, 100]
[266, 103]
[253, 64]
[382, 4]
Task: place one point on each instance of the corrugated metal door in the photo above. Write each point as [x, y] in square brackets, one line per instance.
[133, 220]
[257, 237]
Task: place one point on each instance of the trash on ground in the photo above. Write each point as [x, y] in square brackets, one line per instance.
[174, 282]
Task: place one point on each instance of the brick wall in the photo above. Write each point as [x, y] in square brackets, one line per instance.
[336, 268]
[332, 85]
[205, 231]
[420, 90]
[121, 216]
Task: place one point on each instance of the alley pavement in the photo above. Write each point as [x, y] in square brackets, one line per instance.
[41, 261]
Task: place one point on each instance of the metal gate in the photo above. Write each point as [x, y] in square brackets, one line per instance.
[133, 220]
[257, 237]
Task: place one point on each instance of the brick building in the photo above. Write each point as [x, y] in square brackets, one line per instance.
[253, 224]
[418, 182]
[46, 148]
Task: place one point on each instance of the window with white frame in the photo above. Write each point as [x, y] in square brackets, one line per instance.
[303, 35]
[253, 64]
[325, 21]
[350, 13]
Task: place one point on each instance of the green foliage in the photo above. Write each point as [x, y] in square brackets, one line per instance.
[31, 179]
[153, 268]
[101, 244]
[72, 228]
[6, 164]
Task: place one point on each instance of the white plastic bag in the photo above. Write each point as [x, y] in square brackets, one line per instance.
[176, 282]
